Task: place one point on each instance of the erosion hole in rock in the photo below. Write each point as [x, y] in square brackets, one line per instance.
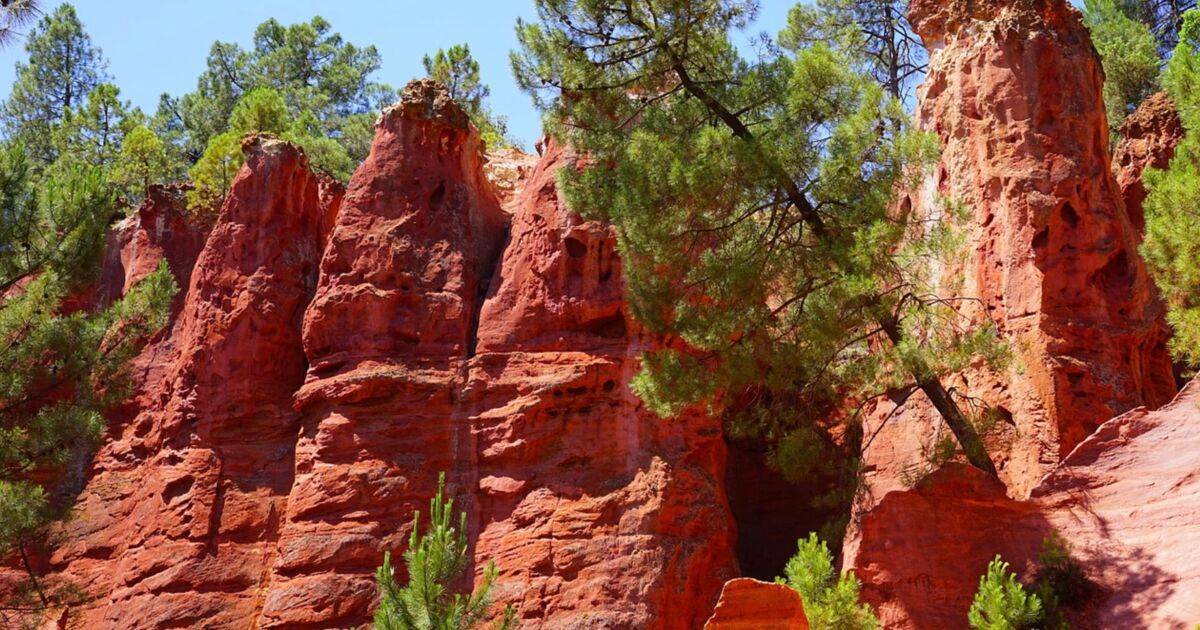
[1116, 279]
[435, 199]
[611, 327]
[771, 512]
[575, 247]
[177, 488]
[1069, 216]
[1040, 240]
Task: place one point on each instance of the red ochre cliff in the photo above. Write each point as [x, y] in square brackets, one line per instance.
[1014, 94]
[335, 350]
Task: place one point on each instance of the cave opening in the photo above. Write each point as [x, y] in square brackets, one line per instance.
[771, 512]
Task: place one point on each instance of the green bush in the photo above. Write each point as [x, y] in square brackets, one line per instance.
[1002, 603]
[435, 562]
[830, 600]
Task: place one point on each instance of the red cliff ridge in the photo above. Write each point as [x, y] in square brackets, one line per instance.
[1014, 93]
[335, 350]
[332, 350]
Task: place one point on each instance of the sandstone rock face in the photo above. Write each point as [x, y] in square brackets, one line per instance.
[1124, 499]
[752, 605]
[922, 551]
[598, 513]
[1148, 140]
[335, 352]
[387, 337]
[179, 520]
[1014, 94]
[162, 228]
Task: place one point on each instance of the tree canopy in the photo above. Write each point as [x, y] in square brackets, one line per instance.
[756, 206]
[60, 366]
[1171, 248]
[64, 67]
[459, 72]
[315, 71]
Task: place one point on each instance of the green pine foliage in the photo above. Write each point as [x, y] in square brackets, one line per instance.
[317, 73]
[1171, 249]
[456, 69]
[874, 33]
[15, 16]
[1163, 17]
[830, 600]
[262, 110]
[60, 368]
[64, 67]
[436, 562]
[143, 161]
[753, 200]
[1002, 603]
[1061, 582]
[1129, 53]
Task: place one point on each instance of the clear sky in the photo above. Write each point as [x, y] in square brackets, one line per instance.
[156, 46]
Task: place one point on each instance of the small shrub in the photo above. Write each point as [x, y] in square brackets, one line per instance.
[1060, 581]
[1002, 603]
[436, 561]
[830, 600]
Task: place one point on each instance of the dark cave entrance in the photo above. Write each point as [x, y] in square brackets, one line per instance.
[771, 512]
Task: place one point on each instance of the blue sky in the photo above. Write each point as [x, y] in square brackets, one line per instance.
[156, 46]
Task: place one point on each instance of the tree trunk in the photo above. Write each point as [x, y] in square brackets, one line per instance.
[33, 576]
[944, 403]
[926, 380]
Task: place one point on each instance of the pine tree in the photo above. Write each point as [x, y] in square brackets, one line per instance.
[1002, 603]
[15, 15]
[830, 600]
[456, 69]
[63, 68]
[755, 206]
[59, 369]
[1163, 17]
[436, 561]
[1171, 249]
[1129, 53]
[144, 160]
[92, 134]
[874, 32]
[314, 70]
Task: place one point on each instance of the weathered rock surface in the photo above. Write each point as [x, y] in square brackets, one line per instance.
[162, 228]
[598, 513]
[1148, 140]
[747, 604]
[334, 353]
[922, 551]
[1124, 499]
[1014, 94]
[179, 520]
[387, 337]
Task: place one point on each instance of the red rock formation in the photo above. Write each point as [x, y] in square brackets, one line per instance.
[179, 518]
[1148, 140]
[303, 404]
[1124, 499]
[922, 551]
[752, 605]
[1014, 94]
[597, 513]
[162, 228]
[388, 336]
